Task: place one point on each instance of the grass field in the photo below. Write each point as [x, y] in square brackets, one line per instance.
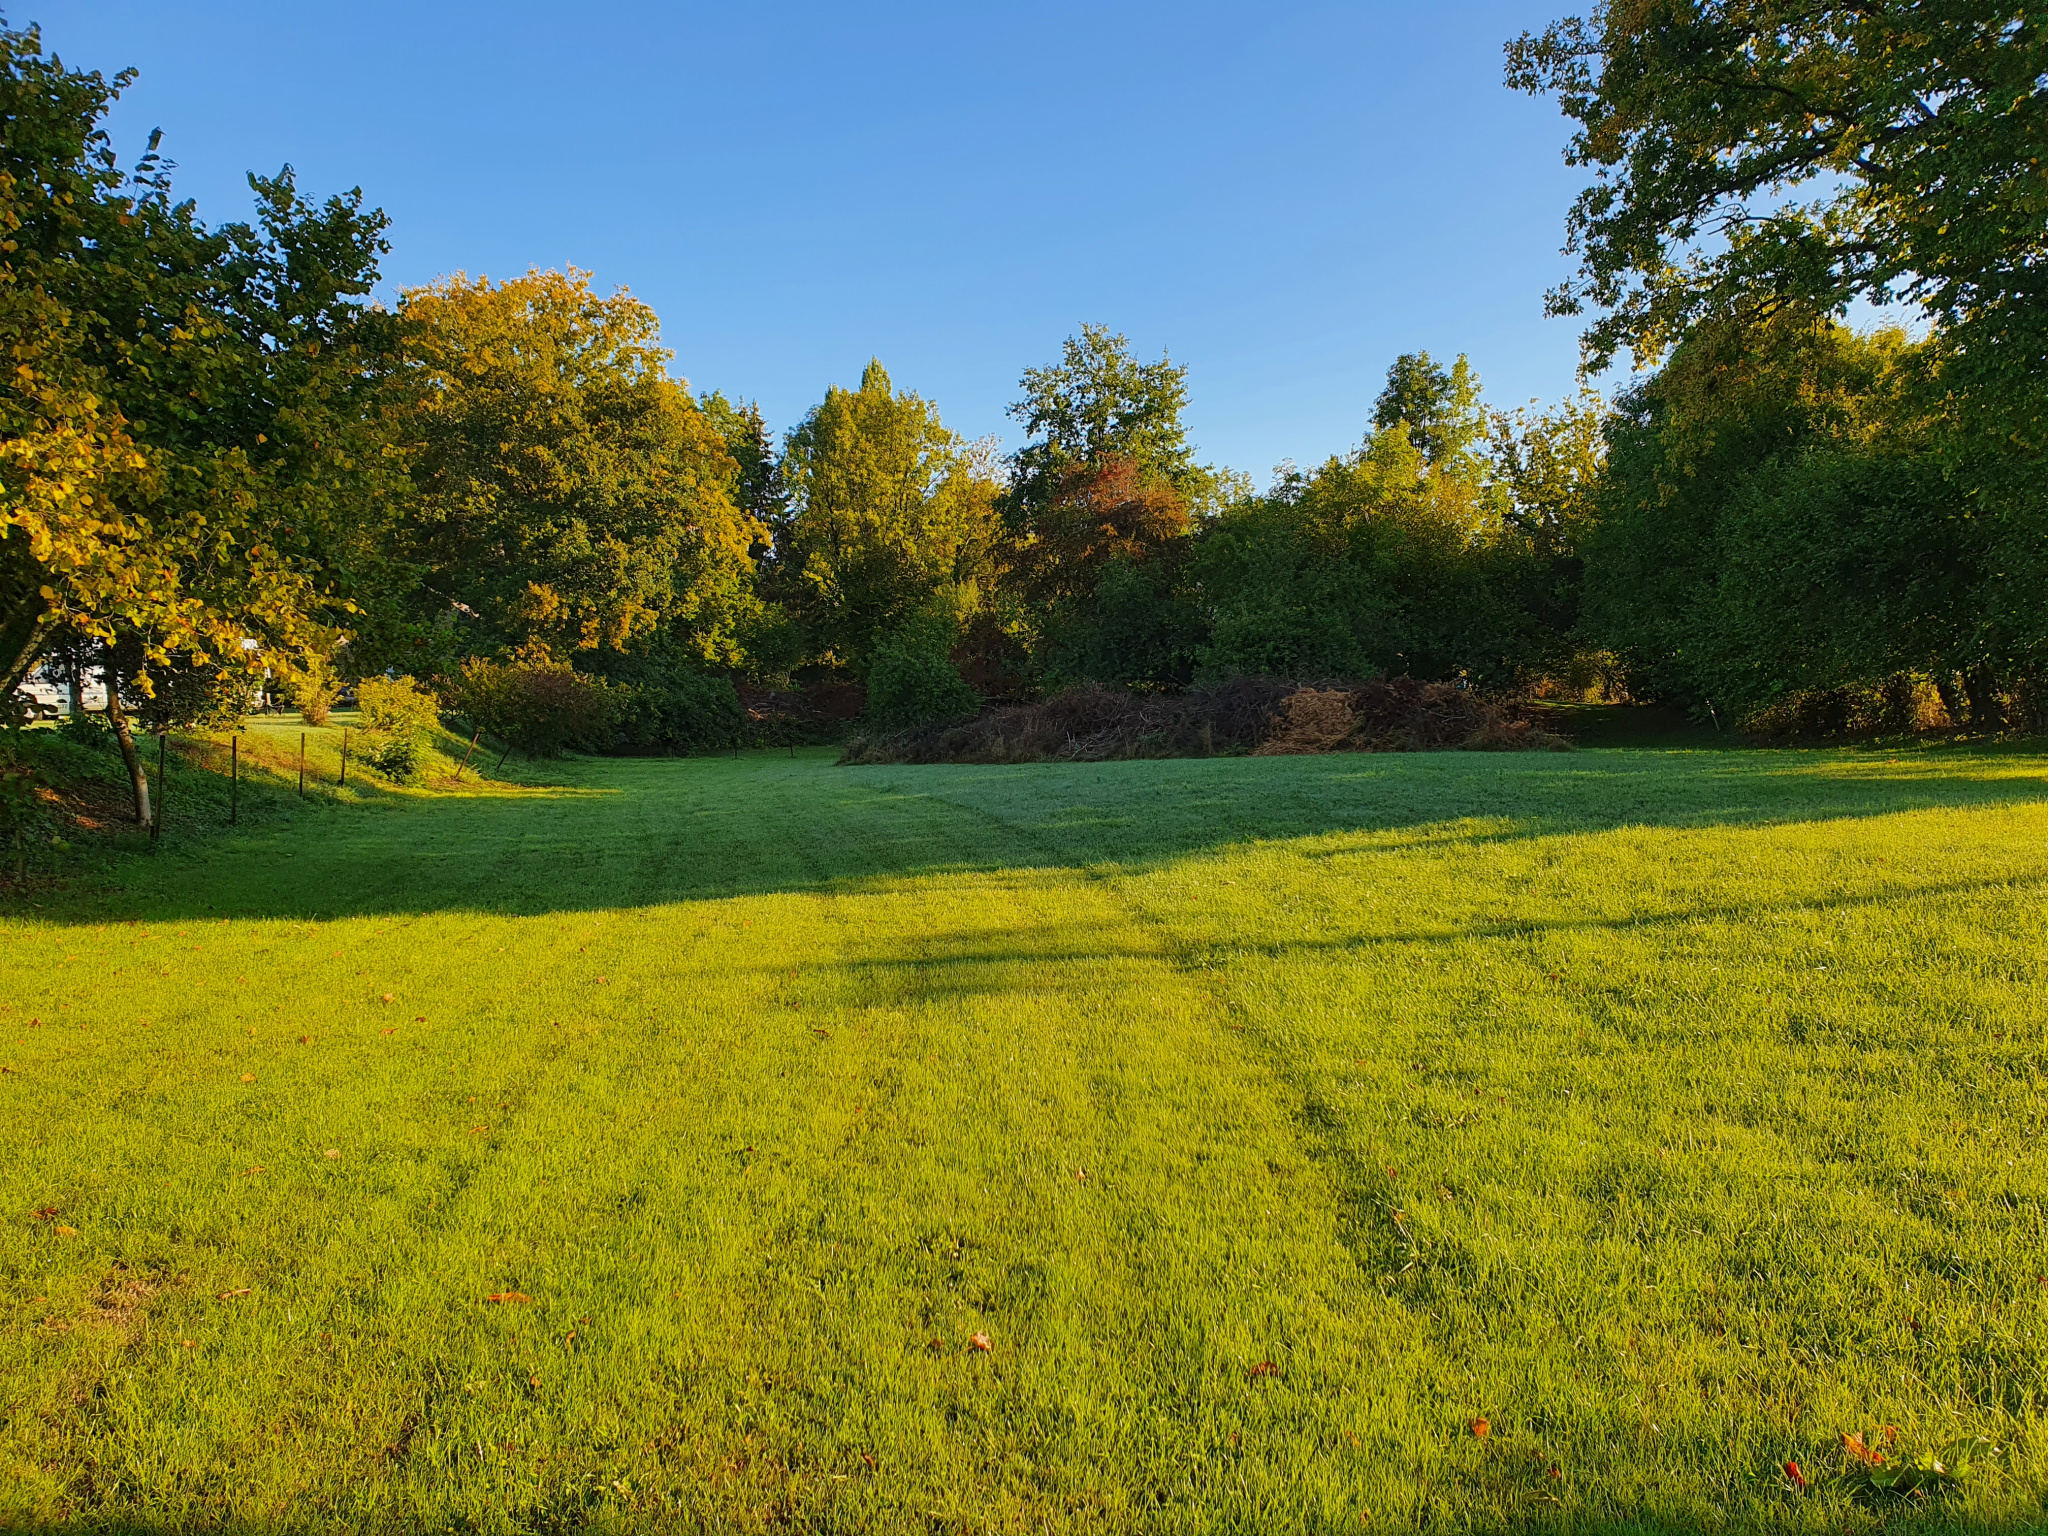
[648, 1151]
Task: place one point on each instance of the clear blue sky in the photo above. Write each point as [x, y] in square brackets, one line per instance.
[1283, 195]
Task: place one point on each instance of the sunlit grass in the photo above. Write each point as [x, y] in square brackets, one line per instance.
[1273, 1120]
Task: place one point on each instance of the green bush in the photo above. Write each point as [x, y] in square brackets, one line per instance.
[680, 712]
[911, 685]
[397, 706]
[398, 758]
[541, 707]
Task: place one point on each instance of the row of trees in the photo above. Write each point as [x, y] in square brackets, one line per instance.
[218, 456]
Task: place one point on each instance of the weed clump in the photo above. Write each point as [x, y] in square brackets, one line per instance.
[1258, 716]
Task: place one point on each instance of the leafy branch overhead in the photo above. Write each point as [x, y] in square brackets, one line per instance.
[1757, 152]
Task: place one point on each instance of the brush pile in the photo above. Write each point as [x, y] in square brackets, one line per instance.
[1258, 716]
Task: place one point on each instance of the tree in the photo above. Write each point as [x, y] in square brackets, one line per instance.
[1914, 130]
[187, 460]
[757, 487]
[1765, 159]
[1438, 408]
[572, 495]
[1773, 519]
[888, 508]
[1099, 402]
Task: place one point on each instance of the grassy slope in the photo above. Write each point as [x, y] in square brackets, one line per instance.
[1674, 1112]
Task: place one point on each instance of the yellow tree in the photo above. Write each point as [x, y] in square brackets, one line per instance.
[573, 496]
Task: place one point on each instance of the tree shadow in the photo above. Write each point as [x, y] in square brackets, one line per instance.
[649, 832]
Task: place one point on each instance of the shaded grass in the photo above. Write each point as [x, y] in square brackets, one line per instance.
[1273, 1118]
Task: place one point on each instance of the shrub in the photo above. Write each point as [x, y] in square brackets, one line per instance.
[910, 685]
[680, 712]
[1261, 715]
[398, 706]
[398, 758]
[540, 707]
[314, 690]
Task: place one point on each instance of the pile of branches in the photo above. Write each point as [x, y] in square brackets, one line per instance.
[1259, 716]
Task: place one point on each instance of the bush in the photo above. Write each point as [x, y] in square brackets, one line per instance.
[397, 706]
[911, 686]
[398, 758]
[540, 707]
[1259, 715]
[681, 712]
[314, 690]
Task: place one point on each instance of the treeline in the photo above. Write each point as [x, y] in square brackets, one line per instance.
[218, 456]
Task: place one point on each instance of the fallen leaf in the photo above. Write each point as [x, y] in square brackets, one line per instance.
[1481, 1429]
[1798, 1477]
[476, 1128]
[388, 1031]
[248, 1077]
[389, 998]
[332, 1152]
[44, 1213]
[419, 1018]
[822, 1034]
[1265, 1368]
[1853, 1444]
[305, 1039]
[187, 1344]
[533, 1381]
[65, 1231]
[231, 1295]
[508, 1296]
[979, 1341]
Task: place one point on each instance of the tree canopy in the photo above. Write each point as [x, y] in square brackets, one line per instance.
[573, 497]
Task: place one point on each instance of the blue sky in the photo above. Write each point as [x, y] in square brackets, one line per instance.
[1285, 196]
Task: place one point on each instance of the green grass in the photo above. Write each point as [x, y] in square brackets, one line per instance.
[1274, 1119]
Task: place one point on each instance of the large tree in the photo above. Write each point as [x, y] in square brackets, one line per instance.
[890, 513]
[574, 498]
[191, 474]
[1437, 406]
[1098, 403]
[1759, 160]
[1765, 151]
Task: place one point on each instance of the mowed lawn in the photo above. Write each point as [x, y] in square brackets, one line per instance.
[649, 1152]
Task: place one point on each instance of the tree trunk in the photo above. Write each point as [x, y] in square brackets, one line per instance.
[1951, 701]
[118, 718]
[22, 638]
[1987, 710]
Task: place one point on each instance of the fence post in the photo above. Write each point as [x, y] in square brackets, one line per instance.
[344, 757]
[234, 776]
[302, 765]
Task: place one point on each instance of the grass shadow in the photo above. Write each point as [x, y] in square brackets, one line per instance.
[644, 832]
